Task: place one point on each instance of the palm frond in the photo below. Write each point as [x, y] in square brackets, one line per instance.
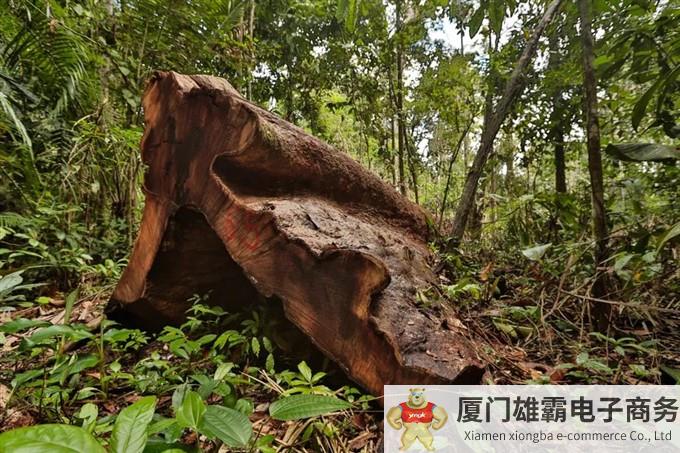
[9, 111]
[51, 52]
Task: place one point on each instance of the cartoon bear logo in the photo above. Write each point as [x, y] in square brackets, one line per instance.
[417, 416]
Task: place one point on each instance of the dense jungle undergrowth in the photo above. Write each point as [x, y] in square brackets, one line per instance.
[566, 269]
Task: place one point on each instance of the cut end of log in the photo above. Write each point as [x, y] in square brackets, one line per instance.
[241, 204]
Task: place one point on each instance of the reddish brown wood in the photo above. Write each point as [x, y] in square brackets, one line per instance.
[246, 205]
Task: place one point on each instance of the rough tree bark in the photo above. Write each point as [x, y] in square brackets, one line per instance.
[512, 89]
[600, 311]
[241, 204]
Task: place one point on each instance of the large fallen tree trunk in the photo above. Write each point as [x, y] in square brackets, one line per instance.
[241, 204]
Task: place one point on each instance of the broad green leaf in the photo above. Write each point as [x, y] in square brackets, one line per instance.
[207, 385]
[18, 125]
[191, 411]
[129, 433]
[496, 15]
[160, 425]
[341, 10]
[347, 13]
[264, 443]
[536, 253]
[597, 366]
[244, 406]
[305, 371]
[297, 407]
[269, 363]
[178, 396]
[476, 20]
[230, 426]
[49, 439]
[352, 13]
[10, 281]
[672, 372]
[223, 371]
[21, 324]
[641, 105]
[206, 339]
[671, 233]
[26, 376]
[642, 152]
[69, 303]
[268, 346]
[75, 365]
[166, 429]
[621, 261]
[505, 328]
[55, 330]
[88, 414]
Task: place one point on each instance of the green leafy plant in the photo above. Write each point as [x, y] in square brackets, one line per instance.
[586, 367]
[190, 412]
[626, 345]
[52, 438]
[304, 381]
[464, 288]
[230, 426]
[12, 283]
[297, 407]
[130, 431]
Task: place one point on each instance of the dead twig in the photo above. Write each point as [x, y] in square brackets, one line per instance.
[621, 304]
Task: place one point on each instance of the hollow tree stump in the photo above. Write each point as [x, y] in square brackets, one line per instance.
[241, 204]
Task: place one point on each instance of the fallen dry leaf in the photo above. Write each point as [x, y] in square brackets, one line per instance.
[16, 419]
[361, 440]
[4, 396]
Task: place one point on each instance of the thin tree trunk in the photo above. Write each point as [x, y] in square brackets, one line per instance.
[556, 121]
[512, 89]
[493, 45]
[399, 99]
[251, 33]
[393, 153]
[556, 135]
[412, 159]
[397, 157]
[600, 311]
[289, 96]
[400, 132]
[492, 189]
[560, 163]
[251, 21]
[454, 155]
[509, 172]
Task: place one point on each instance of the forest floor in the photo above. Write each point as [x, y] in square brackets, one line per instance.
[530, 325]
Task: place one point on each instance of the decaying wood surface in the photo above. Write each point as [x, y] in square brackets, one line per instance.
[241, 204]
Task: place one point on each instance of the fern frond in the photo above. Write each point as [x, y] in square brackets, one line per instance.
[14, 220]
